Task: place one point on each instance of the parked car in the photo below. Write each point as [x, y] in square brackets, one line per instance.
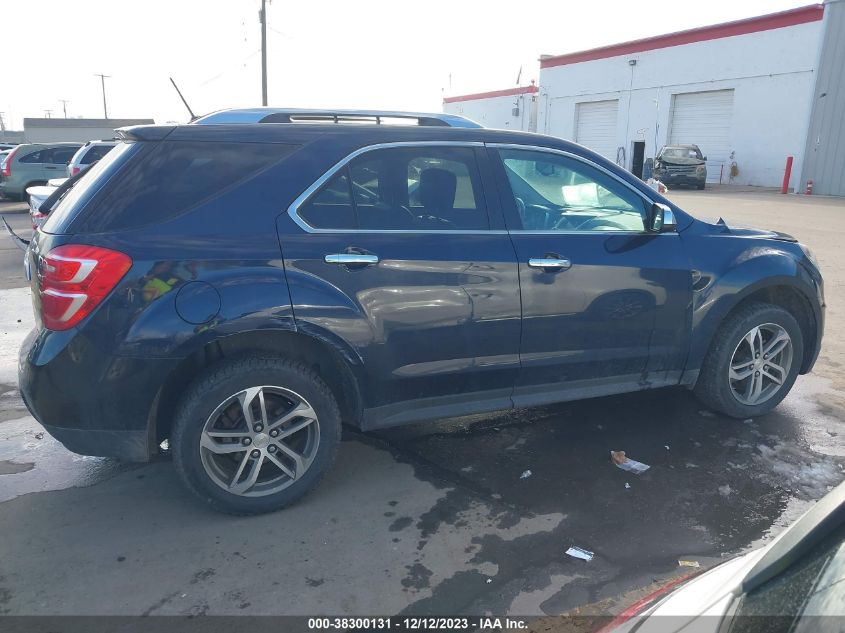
[681, 165]
[7, 146]
[34, 164]
[37, 195]
[241, 285]
[89, 153]
[792, 584]
[3, 154]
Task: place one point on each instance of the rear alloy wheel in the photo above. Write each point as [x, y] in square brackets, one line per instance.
[753, 361]
[255, 434]
[259, 441]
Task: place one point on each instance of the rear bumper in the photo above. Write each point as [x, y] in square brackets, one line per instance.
[93, 403]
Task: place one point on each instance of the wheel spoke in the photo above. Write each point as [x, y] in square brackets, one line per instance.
[239, 471]
[226, 433]
[295, 428]
[751, 339]
[298, 459]
[777, 345]
[245, 399]
[221, 449]
[281, 465]
[741, 371]
[754, 388]
[301, 410]
[249, 481]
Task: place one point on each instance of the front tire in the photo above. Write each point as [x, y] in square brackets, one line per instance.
[253, 435]
[752, 363]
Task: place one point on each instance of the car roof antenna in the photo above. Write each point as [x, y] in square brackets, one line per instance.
[191, 112]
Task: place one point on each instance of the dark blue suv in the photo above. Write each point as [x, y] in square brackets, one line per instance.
[242, 285]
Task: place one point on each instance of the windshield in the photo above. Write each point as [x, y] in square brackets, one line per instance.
[73, 199]
[680, 152]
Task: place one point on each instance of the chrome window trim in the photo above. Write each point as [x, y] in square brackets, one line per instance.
[328, 175]
[586, 161]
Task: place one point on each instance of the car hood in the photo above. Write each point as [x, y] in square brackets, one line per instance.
[720, 226]
[680, 160]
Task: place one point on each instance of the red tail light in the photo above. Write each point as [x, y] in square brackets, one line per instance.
[7, 167]
[74, 279]
[74, 171]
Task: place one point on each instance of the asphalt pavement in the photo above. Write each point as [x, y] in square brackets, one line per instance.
[471, 515]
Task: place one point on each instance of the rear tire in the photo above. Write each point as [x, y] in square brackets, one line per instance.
[738, 377]
[254, 434]
[701, 186]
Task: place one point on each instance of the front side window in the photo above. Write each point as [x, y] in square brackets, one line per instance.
[557, 193]
[402, 189]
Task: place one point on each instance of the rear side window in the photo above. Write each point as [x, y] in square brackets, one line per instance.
[34, 157]
[173, 178]
[94, 153]
[407, 189]
[60, 155]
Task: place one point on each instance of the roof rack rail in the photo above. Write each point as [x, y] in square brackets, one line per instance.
[290, 115]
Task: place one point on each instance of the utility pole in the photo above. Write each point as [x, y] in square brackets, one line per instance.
[64, 105]
[262, 16]
[47, 113]
[103, 84]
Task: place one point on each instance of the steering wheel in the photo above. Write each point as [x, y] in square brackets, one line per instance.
[600, 224]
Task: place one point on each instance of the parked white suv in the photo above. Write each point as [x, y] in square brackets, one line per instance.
[89, 153]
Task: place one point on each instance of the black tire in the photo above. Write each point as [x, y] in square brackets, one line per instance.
[217, 385]
[713, 387]
[700, 187]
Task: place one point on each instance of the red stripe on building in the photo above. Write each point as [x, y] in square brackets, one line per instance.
[792, 17]
[495, 93]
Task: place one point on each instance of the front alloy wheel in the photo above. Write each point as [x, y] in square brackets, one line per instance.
[760, 364]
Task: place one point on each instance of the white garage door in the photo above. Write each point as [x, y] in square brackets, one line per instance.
[704, 119]
[596, 126]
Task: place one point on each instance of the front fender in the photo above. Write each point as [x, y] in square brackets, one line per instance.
[756, 269]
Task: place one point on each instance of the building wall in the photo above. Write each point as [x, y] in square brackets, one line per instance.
[824, 162]
[495, 110]
[771, 73]
[74, 130]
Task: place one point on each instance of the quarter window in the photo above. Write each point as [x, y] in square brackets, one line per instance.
[557, 193]
[34, 157]
[403, 189]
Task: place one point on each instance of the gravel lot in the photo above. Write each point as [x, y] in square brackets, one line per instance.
[434, 518]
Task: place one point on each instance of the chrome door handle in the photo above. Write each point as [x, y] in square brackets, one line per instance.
[346, 259]
[549, 262]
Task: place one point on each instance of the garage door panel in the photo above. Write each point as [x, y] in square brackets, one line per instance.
[596, 126]
[704, 119]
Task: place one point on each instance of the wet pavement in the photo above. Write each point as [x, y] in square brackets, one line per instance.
[438, 518]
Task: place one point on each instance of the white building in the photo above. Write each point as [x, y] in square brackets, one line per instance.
[79, 130]
[742, 91]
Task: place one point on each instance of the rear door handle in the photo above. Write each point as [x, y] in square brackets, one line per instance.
[351, 259]
[550, 263]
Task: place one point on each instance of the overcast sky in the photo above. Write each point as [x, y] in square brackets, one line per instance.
[380, 54]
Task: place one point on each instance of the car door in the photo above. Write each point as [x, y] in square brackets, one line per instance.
[56, 161]
[399, 257]
[605, 303]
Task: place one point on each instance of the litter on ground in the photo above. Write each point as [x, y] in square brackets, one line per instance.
[577, 552]
[627, 485]
[526, 474]
[706, 414]
[630, 465]
[688, 563]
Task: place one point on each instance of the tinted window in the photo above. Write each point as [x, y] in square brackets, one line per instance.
[426, 188]
[34, 157]
[558, 193]
[94, 153]
[174, 177]
[332, 206]
[60, 155]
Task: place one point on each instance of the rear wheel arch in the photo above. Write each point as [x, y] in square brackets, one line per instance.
[341, 376]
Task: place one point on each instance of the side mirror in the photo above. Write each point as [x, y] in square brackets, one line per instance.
[660, 219]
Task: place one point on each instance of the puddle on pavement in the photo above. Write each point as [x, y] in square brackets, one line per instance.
[721, 485]
[32, 461]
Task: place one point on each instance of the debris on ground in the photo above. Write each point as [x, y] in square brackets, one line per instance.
[632, 466]
[627, 485]
[725, 490]
[706, 414]
[489, 580]
[39, 435]
[748, 420]
[526, 474]
[688, 563]
[577, 552]
[666, 447]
